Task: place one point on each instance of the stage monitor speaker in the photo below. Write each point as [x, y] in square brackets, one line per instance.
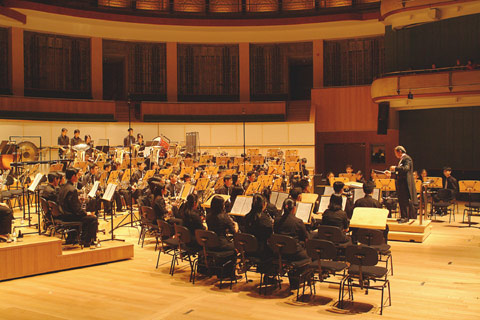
[383, 112]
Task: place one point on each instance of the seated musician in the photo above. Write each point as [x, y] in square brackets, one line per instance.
[174, 186]
[192, 219]
[288, 224]
[89, 142]
[71, 209]
[369, 202]
[259, 223]
[271, 209]
[359, 177]
[303, 167]
[227, 186]
[76, 138]
[50, 192]
[339, 190]
[221, 223]
[88, 180]
[159, 206]
[335, 216]
[6, 217]
[296, 194]
[250, 178]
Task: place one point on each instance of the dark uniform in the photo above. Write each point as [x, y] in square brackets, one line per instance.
[405, 187]
[192, 221]
[222, 224]
[336, 218]
[160, 208]
[225, 190]
[62, 141]
[128, 141]
[75, 141]
[6, 217]
[72, 211]
[294, 227]
[368, 202]
[49, 193]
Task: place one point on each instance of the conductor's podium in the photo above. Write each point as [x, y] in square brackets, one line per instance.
[411, 231]
[39, 254]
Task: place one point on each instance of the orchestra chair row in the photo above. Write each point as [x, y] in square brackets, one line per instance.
[444, 200]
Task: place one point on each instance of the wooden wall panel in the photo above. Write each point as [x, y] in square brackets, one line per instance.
[367, 137]
[344, 109]
[188, 109]
[21, 104]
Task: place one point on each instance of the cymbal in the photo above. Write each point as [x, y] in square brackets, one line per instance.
[81, 147]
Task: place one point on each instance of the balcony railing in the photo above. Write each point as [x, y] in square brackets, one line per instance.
[221, 8]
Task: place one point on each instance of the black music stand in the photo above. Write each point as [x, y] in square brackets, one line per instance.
[108, 196]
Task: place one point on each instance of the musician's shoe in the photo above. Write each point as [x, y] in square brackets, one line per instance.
[120, 210]
[403, 220]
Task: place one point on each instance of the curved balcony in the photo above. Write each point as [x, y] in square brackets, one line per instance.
[213, 9]
[400, 13]
[441, 88]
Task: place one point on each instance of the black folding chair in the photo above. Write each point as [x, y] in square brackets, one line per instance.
[282, 247]
[375, 239]
[363, 267]
[184, 238]
[213, 261]
[147, 225]
[64, 227]
[168, 243]
[323, 254]
[247, 245]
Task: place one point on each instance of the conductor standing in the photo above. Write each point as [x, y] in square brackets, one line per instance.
[405, 185]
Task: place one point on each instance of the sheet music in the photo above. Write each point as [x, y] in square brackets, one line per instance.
[281, 198]
[325, 201]
[328, 191]
[35, 182]
[107, 196]
[304, 210]
[358, 193]
[242, 205]
[274, 197]
[92, 192]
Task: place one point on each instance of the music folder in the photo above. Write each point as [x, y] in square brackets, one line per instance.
[242, 206]
[325, 201]
[92, 192]
[108, 195]
[304, 211]
[35, 182]
[277, 198]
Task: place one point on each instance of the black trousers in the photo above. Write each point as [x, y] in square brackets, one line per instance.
[6, 217]
[407, 211]
[89, 226]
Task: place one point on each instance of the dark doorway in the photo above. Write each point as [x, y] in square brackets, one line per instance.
[338, 155]
[300, 78]
[114, 78]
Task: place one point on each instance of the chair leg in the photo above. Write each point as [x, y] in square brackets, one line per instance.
[172, 264]
[158, 258]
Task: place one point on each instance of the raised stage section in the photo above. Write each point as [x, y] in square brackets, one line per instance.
[38, 254]
[410, 232]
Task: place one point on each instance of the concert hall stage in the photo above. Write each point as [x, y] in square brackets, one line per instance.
[41, 254]
[411, 231]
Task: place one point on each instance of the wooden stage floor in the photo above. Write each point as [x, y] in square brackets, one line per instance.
[436, 279]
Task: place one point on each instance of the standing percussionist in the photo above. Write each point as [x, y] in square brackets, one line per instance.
[130, 139]
[63, 142]
[405, 185]
[76, 138]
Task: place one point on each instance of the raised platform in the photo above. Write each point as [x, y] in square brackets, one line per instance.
[39, 254]
[411, 231]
